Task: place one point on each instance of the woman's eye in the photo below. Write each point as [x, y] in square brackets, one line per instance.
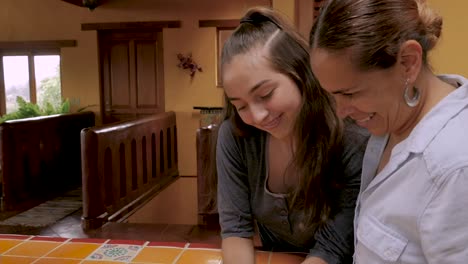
[348, 94]
[240, 108]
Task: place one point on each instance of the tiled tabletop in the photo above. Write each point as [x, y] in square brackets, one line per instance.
[18, 249]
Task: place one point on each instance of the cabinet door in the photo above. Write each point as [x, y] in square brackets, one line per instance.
[131, 74]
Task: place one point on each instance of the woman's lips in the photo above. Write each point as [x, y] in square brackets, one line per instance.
[367, 118]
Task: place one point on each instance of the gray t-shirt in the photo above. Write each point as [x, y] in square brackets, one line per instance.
[243, 196]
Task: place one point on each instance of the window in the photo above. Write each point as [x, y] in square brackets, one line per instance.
[30, 70]
[36, 78]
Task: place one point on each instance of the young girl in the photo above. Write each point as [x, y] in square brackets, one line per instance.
[285, 161]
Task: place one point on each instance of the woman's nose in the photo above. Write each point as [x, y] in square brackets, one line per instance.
[343, 109]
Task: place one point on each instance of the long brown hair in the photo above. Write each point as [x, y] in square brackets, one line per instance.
[318, 131]
[373, 30]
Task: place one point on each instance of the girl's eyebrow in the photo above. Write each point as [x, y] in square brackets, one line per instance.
[253, 89]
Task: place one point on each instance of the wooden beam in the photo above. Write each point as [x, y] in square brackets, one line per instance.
[75, 2]
[219, 23]
[91, 4]
[131, 25]
[36, 44]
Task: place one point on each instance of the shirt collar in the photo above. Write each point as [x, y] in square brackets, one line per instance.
[438, 117]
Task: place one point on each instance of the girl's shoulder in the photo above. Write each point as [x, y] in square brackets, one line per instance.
[355, 140]
[355, 136]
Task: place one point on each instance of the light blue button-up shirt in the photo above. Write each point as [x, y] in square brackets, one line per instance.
[416, 209]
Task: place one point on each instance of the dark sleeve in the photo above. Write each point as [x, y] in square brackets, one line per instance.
[335, 239]
[235, 215]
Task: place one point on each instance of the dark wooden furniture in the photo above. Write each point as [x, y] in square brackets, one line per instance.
[40, 158]
[126, 164]
[206, 179]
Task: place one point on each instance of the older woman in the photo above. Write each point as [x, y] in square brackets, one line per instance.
[371, 55]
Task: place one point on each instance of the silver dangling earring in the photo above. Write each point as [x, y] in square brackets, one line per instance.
[411, 102]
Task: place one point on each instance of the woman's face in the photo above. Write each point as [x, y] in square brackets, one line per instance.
[264, 98]
[374, 99]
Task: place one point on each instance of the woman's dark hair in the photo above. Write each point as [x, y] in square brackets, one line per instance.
[318, 131]
[373, 30]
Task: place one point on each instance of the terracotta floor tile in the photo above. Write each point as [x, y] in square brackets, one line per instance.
[203, 246]
[47, 232]
[110, 252]
[158, 255]
[127, 242]
[20, 237]
[74, 250]
[101, 262]
[281, 258]
[88, 240]
[146, 232]
[177, 233]
[191, 256]
[50, 239]
[57, 261]
[16, 260]
[262, 257]
[167, 244]
[70, 227]
[202, 234]
[6, 244]
[32, 249]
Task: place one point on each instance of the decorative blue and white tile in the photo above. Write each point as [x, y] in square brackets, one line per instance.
[115, 252]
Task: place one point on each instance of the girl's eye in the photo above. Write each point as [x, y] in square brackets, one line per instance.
[268, 95]
[348, 94]
[240, 108]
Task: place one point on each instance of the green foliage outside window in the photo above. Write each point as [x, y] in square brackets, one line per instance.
[49, 91]
[27, 109]
[49, 100]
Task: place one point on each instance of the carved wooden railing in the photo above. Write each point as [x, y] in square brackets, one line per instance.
[124, 165]
[40, 158]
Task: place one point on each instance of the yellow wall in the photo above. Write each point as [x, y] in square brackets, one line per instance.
[176, 205]
[450, 55]
[181, 196]
[287, 7]
[23, 20]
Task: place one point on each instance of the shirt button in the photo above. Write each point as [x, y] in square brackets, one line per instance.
[283, 212]
[388, 253]
[284, 222]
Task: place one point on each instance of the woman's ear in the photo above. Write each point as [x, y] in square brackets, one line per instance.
[410, 58]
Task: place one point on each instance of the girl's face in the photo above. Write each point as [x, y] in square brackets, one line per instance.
[263, 97]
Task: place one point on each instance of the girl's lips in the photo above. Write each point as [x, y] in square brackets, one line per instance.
[273, 123]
